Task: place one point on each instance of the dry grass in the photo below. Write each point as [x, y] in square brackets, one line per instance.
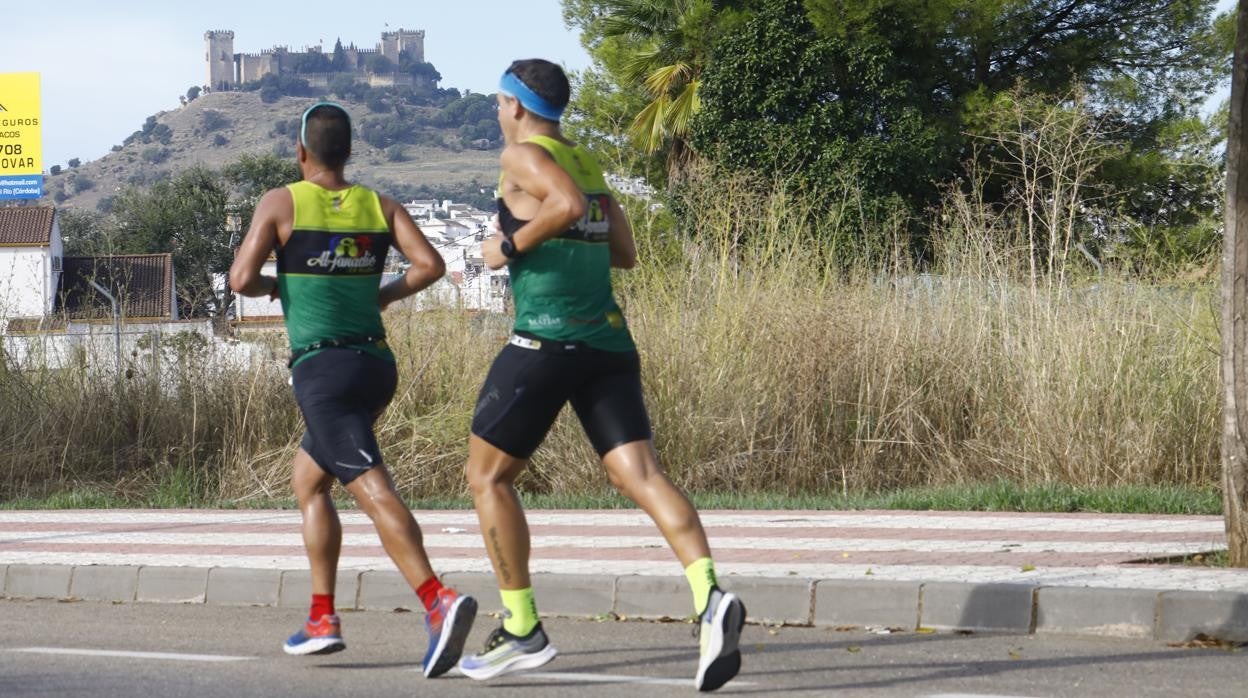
[772, 364]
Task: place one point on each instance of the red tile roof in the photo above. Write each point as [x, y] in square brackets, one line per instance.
[142, 284]
[26, 226]
[33, 325]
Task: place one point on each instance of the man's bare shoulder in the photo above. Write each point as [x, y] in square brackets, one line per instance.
[276, 200]
[388, 203]
[516, 154]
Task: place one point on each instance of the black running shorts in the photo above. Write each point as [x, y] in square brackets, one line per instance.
[526, 388]
[341, 392]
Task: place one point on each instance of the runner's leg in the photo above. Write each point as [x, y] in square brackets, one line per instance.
[522, 395]
[322, 539]
[633, 469]
[491, 477]
[400, 535]
[322, 531]
[612, 410]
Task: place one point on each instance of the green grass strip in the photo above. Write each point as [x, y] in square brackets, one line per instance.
[181, 492]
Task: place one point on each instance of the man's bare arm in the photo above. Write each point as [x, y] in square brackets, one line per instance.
[531, 169]
[620, 237]
[258, 244]
[426, 264]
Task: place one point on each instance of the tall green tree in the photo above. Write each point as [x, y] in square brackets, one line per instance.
[655, 51]
[338, 60]
[85, 233]
[1152, 53]
[889, 89]
[186, 216]
[845, 108]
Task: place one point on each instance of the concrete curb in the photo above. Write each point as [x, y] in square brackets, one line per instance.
[1172, 616]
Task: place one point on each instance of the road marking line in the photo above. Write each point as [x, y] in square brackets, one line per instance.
[594, 678]
[610, 678]
[969, 695]
[132, 655]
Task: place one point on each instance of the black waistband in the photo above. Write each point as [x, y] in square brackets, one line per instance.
[524, 340]
[333, 342]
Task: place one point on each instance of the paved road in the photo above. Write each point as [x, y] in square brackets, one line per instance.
[58, 649]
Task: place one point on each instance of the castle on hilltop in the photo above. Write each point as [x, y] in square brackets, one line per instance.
[377, 66]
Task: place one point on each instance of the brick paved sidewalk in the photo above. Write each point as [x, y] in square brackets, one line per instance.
[1020, 573]
[1075, 550]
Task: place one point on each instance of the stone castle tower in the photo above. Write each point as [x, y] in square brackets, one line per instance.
[220, 55]
[228, 70]
[403, 40]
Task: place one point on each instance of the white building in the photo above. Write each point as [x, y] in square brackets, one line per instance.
[421, 208]
[468, 284]
[262, 309]
[31, 256]
[630, 186]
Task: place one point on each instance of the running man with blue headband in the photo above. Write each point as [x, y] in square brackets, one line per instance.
[332, 238]
[560, 232]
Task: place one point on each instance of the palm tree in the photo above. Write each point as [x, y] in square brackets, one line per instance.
[672, 38]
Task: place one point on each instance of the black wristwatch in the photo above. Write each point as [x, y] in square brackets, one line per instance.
[508, 248]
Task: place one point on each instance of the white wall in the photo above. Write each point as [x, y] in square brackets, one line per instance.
[255, 308]
[26, 281]
[145, 348]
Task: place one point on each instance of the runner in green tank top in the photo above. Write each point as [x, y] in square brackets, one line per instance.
[331, 239]
[562, 288]
[560, 232]
[329, 270]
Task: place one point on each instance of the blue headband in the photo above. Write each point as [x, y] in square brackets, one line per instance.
[303, 126]
[512, 86]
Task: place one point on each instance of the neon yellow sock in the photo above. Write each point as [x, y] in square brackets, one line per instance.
[701, 576]
[521, 615]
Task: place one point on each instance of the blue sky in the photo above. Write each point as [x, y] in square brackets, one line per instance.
[107, 66]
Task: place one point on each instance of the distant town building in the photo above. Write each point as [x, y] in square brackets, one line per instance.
[630, 186]
[456, 231]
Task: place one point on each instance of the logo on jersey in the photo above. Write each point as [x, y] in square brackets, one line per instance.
[594, 225]
[351, 253]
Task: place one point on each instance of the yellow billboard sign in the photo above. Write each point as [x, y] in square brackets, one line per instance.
[21, 143]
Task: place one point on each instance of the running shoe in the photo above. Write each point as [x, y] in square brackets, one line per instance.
[448, 623]
[720, 635]
[506, 653]
[320, 636]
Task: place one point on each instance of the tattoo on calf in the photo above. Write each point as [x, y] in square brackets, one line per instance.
[498, 555]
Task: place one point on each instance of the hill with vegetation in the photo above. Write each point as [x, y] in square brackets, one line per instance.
[432, 145]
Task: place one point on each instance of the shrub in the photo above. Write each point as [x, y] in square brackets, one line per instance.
[396, 153]
[211, 120]
[155, 155]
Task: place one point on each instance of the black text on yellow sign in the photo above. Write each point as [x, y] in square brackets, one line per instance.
[21, 144]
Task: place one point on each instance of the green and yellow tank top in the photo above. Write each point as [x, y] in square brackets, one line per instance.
[562, 288]
[329, 271]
